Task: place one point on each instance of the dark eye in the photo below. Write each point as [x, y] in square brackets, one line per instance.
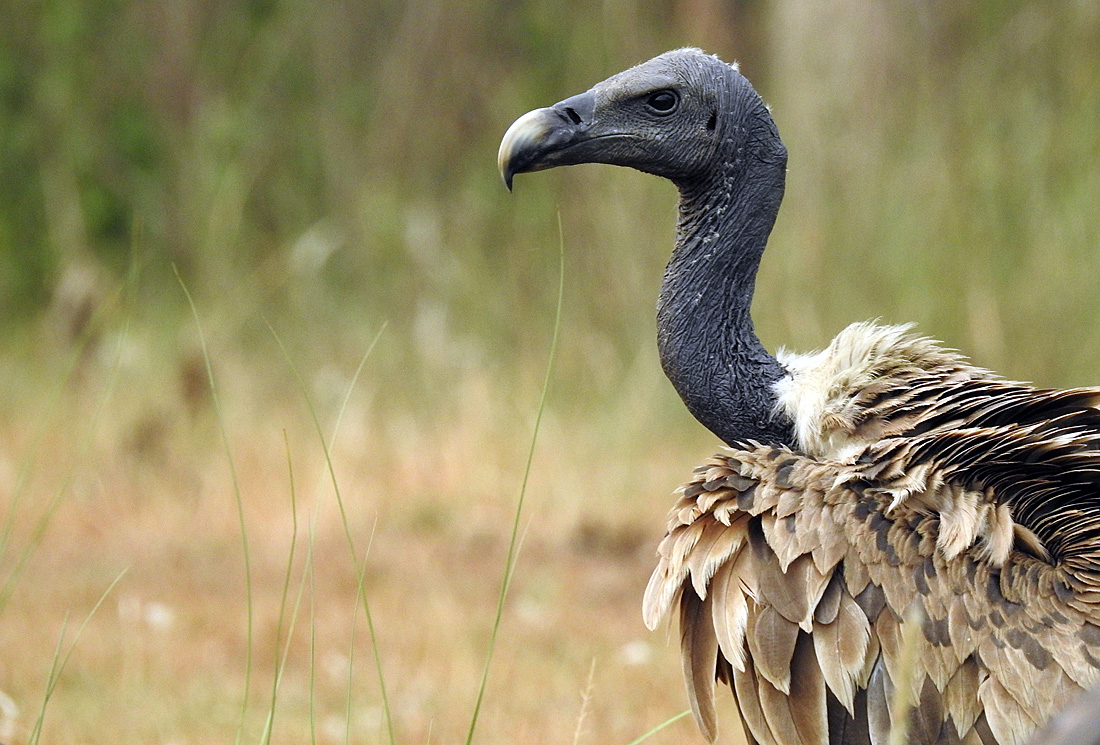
[663, 102]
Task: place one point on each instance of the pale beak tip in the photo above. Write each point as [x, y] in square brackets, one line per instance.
[522, 143]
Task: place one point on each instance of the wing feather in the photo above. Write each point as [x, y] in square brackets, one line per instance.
[699, 654]
[716, 546]
[731, 610]
[1008, 721]
[795, 591]
[772, 640]
[961, 696]
[747, 691]
[841, 646]
[806, 701]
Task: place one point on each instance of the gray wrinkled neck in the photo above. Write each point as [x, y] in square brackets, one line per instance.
[705, 334]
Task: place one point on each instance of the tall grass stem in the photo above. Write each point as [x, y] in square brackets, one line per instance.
[325, 446]
[510, 561]
[57, 665]
[220, 416]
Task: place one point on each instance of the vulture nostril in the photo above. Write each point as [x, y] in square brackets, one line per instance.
[573, 115]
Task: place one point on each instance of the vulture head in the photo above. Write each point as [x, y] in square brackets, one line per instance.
[695, 120]
[682, 116]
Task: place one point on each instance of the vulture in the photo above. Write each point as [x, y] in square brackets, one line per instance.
[896, 542]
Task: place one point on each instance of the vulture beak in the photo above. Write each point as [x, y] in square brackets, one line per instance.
[539, 139]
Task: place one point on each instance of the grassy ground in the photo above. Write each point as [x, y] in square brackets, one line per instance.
[163, 659]
[324, 169]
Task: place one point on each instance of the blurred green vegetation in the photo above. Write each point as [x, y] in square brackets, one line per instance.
[329, 166]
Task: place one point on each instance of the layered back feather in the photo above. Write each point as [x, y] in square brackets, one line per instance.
[922, 488]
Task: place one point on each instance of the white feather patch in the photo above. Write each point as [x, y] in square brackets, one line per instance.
[818, 393]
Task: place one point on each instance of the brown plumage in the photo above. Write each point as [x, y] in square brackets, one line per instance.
[937, 492]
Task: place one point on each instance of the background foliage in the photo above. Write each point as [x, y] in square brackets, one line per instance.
[322, 168]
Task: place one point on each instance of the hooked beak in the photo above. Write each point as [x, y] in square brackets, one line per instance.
[539, 139]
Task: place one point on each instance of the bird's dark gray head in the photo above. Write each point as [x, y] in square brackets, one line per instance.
[673, 116]
[691, 118]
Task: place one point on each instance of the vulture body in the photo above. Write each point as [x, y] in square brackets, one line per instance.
[894, 538]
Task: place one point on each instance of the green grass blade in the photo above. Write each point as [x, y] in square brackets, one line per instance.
[281, 655]
[362, 573]
[327, 450]
[57, 666]
[660, 727]
[219, 415]
[354, 380]
[513, 541]
[51, 681]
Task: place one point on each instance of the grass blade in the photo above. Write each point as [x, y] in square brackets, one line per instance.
[326, 448]
[281, 656]
[57, 666]
[219, 415]
[361, 574]
[510, 561]
[660, 727]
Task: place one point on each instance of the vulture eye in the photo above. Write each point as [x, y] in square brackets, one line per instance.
[663, 102]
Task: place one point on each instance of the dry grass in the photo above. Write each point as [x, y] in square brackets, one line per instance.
[163, 660]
